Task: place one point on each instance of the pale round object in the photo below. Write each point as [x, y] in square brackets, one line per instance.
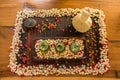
[81, 23]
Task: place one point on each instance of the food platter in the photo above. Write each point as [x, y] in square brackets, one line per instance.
[59, 41]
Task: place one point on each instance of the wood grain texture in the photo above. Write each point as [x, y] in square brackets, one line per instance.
[8, 12]
[57, 78]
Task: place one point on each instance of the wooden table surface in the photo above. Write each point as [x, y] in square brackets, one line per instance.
[111, 8]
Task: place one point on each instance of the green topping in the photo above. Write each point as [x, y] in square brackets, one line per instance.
[60, 47]
[96, 51]
[44, 46]
[87, 40]
[29, 22]
[74, 47]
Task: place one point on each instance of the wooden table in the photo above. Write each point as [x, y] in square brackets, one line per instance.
[9, 8]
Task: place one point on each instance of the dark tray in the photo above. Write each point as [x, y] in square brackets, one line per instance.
[64, 29]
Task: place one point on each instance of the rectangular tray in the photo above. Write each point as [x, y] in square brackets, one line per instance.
[24, 59]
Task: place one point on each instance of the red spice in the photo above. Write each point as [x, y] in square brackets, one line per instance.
[104, 44]
[24, 19]
[37, 26]
[20, 30]
[91, 43]
[42, 22]
[36, 64]
[62, 30]
[24, 59]
[23, 47]
[56, 17]
[53, 44]
[56, 61]
[28, 59]
[106, 38]
[60, 20]
[69, 55]
[82, 61]
[35, 41]
[90, 55]
[53, 65]
[97, 58]
[82, 70]
[98, 67]
[93, 66]
[33, 74]
[73, 40]
[80, 51]
[26, 38]
[22, 65]
[49, 26]
[9, 69]
[52, 53]
[105, 66]
[42, 58]
[29, 68]
[26, 45]
[70, 30]
[66, 43]
[22, 75]
[93, 25]
[76, 66]
[25, 70]
[19, 44]
[93, 33]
